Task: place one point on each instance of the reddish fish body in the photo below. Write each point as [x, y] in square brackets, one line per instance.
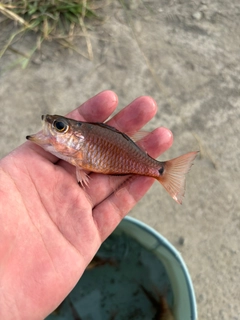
[109, 151]
[101, 148]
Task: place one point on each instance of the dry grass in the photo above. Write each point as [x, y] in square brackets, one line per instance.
[58, 20]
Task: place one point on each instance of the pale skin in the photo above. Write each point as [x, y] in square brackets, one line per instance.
[50, 228]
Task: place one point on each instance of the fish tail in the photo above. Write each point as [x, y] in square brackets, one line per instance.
[172, 175]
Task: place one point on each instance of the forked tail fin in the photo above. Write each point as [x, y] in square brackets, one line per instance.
[172, 175]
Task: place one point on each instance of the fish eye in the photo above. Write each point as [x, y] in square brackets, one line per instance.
[60, 126]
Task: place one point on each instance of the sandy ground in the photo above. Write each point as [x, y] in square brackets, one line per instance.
[186, 55]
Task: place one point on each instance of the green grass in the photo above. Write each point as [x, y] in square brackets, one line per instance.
[50, 20]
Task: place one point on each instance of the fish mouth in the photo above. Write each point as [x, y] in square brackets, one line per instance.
[41, 135]
[40, 138]
[31, 138]
[35, 138]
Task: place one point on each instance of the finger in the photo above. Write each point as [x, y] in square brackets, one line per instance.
[101, 186]
[98, 108]
[135, 115]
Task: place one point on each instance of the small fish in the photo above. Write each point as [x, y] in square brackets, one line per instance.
[98, 262]
[160, 304]
[75, 314]
[98, 147]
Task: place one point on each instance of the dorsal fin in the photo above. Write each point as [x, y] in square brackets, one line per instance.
[128, 135]
[132, 138]
[106, 126]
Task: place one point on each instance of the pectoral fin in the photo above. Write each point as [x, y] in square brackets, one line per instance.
[82, 177]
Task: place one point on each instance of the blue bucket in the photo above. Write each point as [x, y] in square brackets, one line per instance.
[135, 267]
[184, 301]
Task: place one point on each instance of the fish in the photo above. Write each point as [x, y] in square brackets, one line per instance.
[160, 304]
[98, 147]
[98, 262]
[75, 314]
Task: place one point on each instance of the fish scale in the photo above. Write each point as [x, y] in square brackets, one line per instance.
[100, 148]
[110, 154]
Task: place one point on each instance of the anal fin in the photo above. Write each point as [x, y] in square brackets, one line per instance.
[82, 177]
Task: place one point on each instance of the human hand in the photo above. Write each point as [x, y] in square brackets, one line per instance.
[50, 228]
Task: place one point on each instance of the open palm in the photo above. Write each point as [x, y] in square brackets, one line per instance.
[50, 228]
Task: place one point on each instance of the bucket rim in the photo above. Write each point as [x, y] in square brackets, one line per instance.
[177, 255]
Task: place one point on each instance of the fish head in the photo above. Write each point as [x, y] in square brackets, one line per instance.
[60, 136]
